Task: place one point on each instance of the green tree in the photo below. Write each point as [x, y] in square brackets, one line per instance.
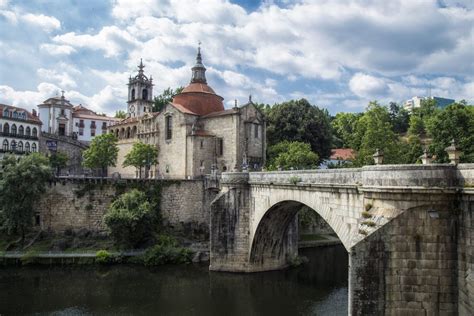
[410, 150]
[344, 125]
[456, 122]
[58, 161]
[21, 185]
[375, 131]
[164, 98]
[131, 219]
[141, 155]
[101, 153]
[120, 114]
[417, 126]
[302, 122]
[289, 155]
[399, 117]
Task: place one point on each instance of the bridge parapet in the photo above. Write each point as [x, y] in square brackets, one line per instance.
[322, 176]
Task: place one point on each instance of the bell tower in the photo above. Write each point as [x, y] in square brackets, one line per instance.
[140, 93]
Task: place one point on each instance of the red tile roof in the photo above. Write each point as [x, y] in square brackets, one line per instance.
[29, 117]
[342, 154]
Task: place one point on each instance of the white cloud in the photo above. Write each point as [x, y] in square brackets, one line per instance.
[368, 86]
[10, 16]
[47, 23]
[63, 79]
[53, 49]
[110, 39]
[27, 99]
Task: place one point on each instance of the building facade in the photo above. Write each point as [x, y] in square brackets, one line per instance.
[415, 102]
[19, 131]
[62, 118]
[194, 134]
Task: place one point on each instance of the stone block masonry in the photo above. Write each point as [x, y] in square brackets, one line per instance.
[73, 203]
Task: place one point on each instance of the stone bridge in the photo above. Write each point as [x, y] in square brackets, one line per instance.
[408, 230]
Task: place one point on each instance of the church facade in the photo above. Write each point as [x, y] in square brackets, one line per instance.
[194, 134]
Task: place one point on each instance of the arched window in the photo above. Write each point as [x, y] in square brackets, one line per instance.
[6, 128]
[35, 132]
[33, 147]
[5, 145]
[128, 132]
[20, 146]
[133, 94]
[6, 113]
[13, 145]
[168, 126]
[13, 129]
[27, 147]
[28, 131]
[21, 130]
[145, 94]
[15, 114]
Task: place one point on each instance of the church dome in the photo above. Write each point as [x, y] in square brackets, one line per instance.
[198, 97]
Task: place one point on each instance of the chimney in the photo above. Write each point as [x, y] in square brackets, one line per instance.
[34, 112]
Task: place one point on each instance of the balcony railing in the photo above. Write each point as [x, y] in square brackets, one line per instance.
[15, 152]
[19, 136]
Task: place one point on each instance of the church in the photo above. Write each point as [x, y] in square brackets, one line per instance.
[194, 134]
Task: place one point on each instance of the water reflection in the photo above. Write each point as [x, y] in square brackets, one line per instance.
[317, 288]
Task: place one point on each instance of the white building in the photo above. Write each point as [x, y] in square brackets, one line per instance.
[62, 118]
[19, 130]
[416, 101]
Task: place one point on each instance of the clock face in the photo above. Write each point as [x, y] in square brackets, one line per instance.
[132, 109]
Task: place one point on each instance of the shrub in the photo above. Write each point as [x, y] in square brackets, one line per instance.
[294, 180]
[103, 257]
[366, 214]
[131, 219]
[369, 223]
[166, 251]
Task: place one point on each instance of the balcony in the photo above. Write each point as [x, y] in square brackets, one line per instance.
[31, 137]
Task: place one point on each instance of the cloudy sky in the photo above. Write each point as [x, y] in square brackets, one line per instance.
[339, 54]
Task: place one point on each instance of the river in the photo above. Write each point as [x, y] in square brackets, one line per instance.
[318, 287]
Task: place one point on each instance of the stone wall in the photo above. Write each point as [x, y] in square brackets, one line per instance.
[466, 257]
[408, 267]
[82, 203]
[72, 148]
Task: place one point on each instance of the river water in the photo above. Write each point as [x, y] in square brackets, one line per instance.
[318, 287]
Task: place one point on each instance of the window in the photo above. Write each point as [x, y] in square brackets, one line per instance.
[13, 145]
[256, 130]
[6, 128]
[145, 94]
[27, 147]
[220, 146]
[15, 115]
[62, 112]
[169, 131]
[93, 125]
[92, 132]
[14, 129]
[33, 147]
[20, 146]
[21, 130]
[37, 219]
[81, 131]
[28, 131]
[6, 113]
[104, 125]
[5, 145]
[202, 144]
[35, 132]
[81, 123]
[133, 94]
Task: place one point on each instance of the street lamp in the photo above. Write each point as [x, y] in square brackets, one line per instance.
[453, 152]
[378, 157]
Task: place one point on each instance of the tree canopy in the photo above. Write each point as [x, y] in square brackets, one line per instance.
[21, 185]
[131, 219]
[120, 114]
[297, 155]
[164, 98]
[141, 155]
[58, 161]
[101, 153]
[298, 120]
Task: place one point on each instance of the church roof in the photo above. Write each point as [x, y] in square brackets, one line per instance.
[198, 97]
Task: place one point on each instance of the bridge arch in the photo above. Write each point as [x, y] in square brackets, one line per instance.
[275, 240]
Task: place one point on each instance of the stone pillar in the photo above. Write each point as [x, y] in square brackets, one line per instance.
[229, 236]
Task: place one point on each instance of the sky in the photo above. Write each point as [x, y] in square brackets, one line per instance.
[337, 54]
